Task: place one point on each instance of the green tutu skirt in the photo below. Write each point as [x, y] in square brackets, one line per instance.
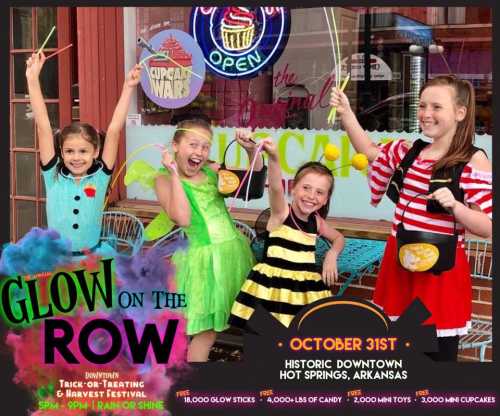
[211, 276]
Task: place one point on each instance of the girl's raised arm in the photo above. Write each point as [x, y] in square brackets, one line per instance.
[34, 65]
[357, 135]
[171, 195]
[277, 201]
[243, 137]
[110, 149]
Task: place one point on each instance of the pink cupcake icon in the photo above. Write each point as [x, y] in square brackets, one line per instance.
[237, 28]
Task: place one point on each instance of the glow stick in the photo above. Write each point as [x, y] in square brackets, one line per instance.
[338, 47]
[259, 147]
[145, 66]
[162, 55]
[46, 39]
[195, 132]
[257, 152]
[146, 146]
[333, 110]
[59, 51]
[139, 149]
[446, 62]
[146, 58]
[333, 46]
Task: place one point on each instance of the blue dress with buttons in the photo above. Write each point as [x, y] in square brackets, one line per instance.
[75, 209]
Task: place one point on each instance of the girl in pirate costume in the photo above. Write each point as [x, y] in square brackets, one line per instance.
[441, 189]
[287, 279]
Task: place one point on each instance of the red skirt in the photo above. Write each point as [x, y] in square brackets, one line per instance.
[447, 296]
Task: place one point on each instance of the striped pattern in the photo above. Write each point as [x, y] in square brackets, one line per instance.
[476, 185]
[285, 281]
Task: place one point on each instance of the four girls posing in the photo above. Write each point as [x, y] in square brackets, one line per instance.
[213, 269]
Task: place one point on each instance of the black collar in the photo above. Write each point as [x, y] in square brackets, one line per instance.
[93, 169]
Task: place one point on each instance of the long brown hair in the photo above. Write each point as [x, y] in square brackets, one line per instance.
[320, 169]
[461, 148]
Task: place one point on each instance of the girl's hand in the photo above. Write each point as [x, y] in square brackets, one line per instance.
[134, 76]
[168, 161]
[339, 99]
[244, 138]
[34, 65]
[445, 198]
[270, 148]
[330, 272]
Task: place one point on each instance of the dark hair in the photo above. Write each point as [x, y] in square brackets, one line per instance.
[461, 148]
[85, 130]
[320, 169]
[189, 124]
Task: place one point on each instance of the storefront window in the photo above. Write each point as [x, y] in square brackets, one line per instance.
[405, 46]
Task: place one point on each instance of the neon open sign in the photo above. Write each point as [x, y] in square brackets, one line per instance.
[240, 42]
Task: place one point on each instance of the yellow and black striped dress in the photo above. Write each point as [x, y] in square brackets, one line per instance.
[286, 279]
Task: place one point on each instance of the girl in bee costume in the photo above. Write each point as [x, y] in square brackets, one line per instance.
[445, 191]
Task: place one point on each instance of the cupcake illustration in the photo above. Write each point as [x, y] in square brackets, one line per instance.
[171, 78]
[237, 28]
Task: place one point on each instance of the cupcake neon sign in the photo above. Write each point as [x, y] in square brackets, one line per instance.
[239, 42]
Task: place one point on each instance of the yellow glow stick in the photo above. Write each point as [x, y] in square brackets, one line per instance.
[339, 69]
[146, 58]
[196, 132]
[146, 146]
[46, 39]
[162, 55]
[139, 149]
[333, 110]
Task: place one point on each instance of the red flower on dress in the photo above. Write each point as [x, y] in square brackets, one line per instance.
[89, 190]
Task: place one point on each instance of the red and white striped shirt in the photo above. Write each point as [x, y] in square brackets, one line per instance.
[475, 184]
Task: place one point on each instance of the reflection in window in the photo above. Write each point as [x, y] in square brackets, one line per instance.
[49, 78]
[436, 15]
[21, 27]
[25, 174]
[46, 19]
[43, 215]
[19, 75]
[24, 132]
[456, 15]
[26, 217]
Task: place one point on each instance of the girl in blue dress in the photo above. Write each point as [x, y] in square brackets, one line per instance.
[75, 177]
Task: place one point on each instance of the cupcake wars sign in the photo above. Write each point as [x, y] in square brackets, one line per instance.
[240, 42]
[174, 69]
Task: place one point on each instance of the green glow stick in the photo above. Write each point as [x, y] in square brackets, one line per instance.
[146, 58]
[162, 55]
[130, 156]
[333, 111]
[146, 67]
[339, 70]
[46, 39]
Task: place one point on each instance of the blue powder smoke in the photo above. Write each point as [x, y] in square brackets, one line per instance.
[40, 250]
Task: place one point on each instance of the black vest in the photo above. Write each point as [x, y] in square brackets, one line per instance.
[449, 178]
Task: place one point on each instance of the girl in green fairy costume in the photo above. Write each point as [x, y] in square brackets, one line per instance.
[211, 271]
